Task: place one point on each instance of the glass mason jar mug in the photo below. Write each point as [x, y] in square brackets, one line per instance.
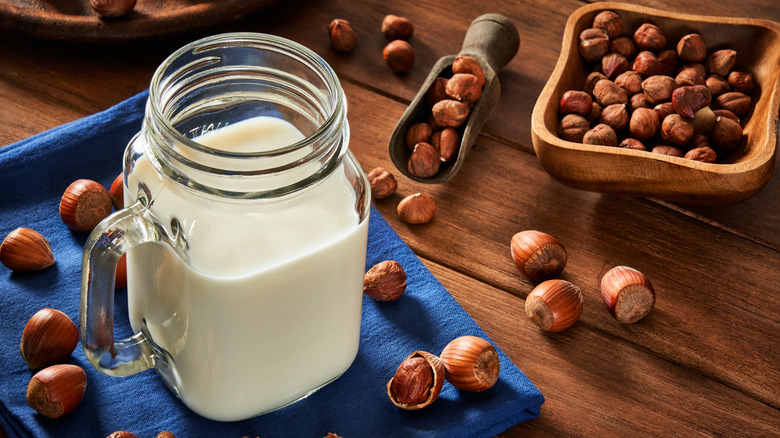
[245, 231]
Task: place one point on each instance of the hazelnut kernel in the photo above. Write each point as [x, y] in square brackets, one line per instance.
[594, 44]
[399, 56]
[601, 134]
[649, 37]
[464, 87]
[424, 160]
[418, 133]
[383, 183]
[577, 102]
[643, 124]
[396, 28]
[112, 8]
[467, 64]
[450, 113]
[343, 37]
[418, 208]
[385, 281]
[609, 22]
[691, 48]
[417, 382]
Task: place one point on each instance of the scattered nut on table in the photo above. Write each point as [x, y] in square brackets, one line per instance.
[418, 208]
[397, 28]
[554, 305]
[343, 37]
[628, 294]
[399, 56]
[538, 255]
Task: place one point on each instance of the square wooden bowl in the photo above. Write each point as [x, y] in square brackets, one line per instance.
[639, 173]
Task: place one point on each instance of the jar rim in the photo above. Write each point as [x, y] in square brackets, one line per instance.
[336, 117]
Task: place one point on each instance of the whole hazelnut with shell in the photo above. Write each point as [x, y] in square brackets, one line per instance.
[628, 294]
[538, 255]
[554, 305]
[471, 363]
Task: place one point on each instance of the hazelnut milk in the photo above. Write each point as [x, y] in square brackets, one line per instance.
[259, 306]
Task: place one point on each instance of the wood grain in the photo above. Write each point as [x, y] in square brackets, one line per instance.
[703, 363]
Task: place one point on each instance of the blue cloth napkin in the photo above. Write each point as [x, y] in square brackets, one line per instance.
[33, 175]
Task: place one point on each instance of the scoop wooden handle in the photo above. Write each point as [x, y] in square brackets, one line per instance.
[492, 37]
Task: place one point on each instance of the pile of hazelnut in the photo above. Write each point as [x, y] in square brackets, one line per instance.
[642, 95]
[451, 99]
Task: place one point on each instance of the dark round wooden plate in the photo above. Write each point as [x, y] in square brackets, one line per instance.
[74, 20]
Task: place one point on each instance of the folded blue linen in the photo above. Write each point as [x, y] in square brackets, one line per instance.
[33, 175]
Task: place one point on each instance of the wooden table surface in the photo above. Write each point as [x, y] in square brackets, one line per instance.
[705, 362]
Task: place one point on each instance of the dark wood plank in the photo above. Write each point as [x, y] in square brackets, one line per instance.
[709, 282]
[597, 385]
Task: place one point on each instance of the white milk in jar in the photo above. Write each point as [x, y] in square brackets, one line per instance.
[260, 314]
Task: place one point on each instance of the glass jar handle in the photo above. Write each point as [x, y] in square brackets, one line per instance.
[109, 240]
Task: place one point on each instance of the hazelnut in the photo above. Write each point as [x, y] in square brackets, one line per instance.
[721, 62]
[450, 113]
[573, 128]
[726, 134]
[639, 100]
[25, 250]
[449, 143]
[717, 85]
[471, 363]
[464, 87]
[622, 45]
[436, 92]
[48, 338]
[613, 64]
[643, 124]
[417, 381]
[397, 28]
[601, 134]
[84, 204]
[703, 154]
[658, 88]
[595, 113]
[676, 130]
[385, 281]
[576, 102]
[56, 390]
[727, 114]
[672, 151]
[691, 74]
[703, 120]
[554, 305]
[700, 141]
[594, 44]
[424, 160]
[630, 81]
[741, 81]
[399, 56]
[615, 116]
[649, 37]
[418, 133]
[343, 37]
[628, 294]
[647, 64]
[591, 80]
[167, 434]
[418, 208]
[112, 8]
[669, 62]
[467, 64]
[609, 22]
[690, 99]
[117, 192]
[691, 48]
[607, 92]
[632, 143]
[383, 183]
[663, 109]
[539, 256]
[734, 101]
[122, 434]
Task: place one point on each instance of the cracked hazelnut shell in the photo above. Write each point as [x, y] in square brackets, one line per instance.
[417, 382]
